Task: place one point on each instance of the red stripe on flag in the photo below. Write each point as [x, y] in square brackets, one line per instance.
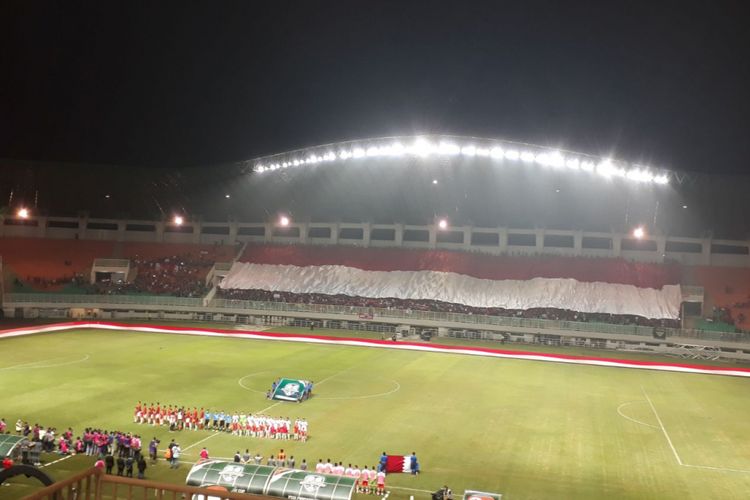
[394, 463]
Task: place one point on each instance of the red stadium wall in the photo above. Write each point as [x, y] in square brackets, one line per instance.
[725, 287]
[51, 258]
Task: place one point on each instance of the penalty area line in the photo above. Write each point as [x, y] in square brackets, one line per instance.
[661, 424]
[676, 455]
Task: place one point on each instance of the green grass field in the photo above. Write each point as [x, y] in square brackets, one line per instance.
[521, 428]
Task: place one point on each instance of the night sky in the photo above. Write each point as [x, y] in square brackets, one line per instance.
[192, 83]
[163, 86]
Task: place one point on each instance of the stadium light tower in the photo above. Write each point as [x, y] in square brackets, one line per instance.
[639, 232]
[178, 220]
[23, 213]
[284, 221]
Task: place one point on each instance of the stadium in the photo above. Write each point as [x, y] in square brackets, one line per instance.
[530, 322]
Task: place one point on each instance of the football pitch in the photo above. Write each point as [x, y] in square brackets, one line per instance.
[525, 429]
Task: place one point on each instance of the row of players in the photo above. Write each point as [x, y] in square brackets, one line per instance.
[368, 480]
[239, 424]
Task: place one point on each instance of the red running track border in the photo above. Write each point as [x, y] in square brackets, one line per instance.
[410, 346]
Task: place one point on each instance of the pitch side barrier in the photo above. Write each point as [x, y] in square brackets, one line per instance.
[387, 344]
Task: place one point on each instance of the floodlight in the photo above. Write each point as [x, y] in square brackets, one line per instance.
[178, 220]
[443, 224]
[573, 163]
[587, 165]
[284, 220]
[227, 196]
[527, 157]
[469, 150]
[422, 147]
[639, 232]
[498, 153]
[555, 159]
[447, 148]
[23, 213]
[434, 181]
[512, 154]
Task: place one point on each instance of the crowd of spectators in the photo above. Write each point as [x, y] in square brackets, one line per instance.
[177, 275]
[439, 306]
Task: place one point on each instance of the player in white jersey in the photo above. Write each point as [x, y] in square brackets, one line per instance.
[355, 474]
[348, 471]
[373, 478]
[328, 467]
[380, 478]
[364, 480]
[320, 467]
[338, 469]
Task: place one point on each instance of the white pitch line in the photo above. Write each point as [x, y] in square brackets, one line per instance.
[723, 469]
[334, 375]
[58, 460]
[367, 396]
[37, 364]
[202, 440]
[266, 409]
[408, 489]
[661, 424]
[619, 408]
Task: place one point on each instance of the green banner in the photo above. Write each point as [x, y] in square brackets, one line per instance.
[289, 389]
[274, 481]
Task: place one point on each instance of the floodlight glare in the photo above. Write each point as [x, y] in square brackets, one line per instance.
[178, 220]
[573, 163]
[443, 224]
[284, 221]
[434, 181]
[424, 146]
[23, 213]
[639, 232]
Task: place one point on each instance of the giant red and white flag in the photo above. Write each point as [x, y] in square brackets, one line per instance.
[588, 285]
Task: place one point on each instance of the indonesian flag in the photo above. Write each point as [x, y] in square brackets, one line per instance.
[584, 285]
[398, 463]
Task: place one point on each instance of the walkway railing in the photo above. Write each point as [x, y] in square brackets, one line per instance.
[444, 317]
[470, 321]
[64, 298]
